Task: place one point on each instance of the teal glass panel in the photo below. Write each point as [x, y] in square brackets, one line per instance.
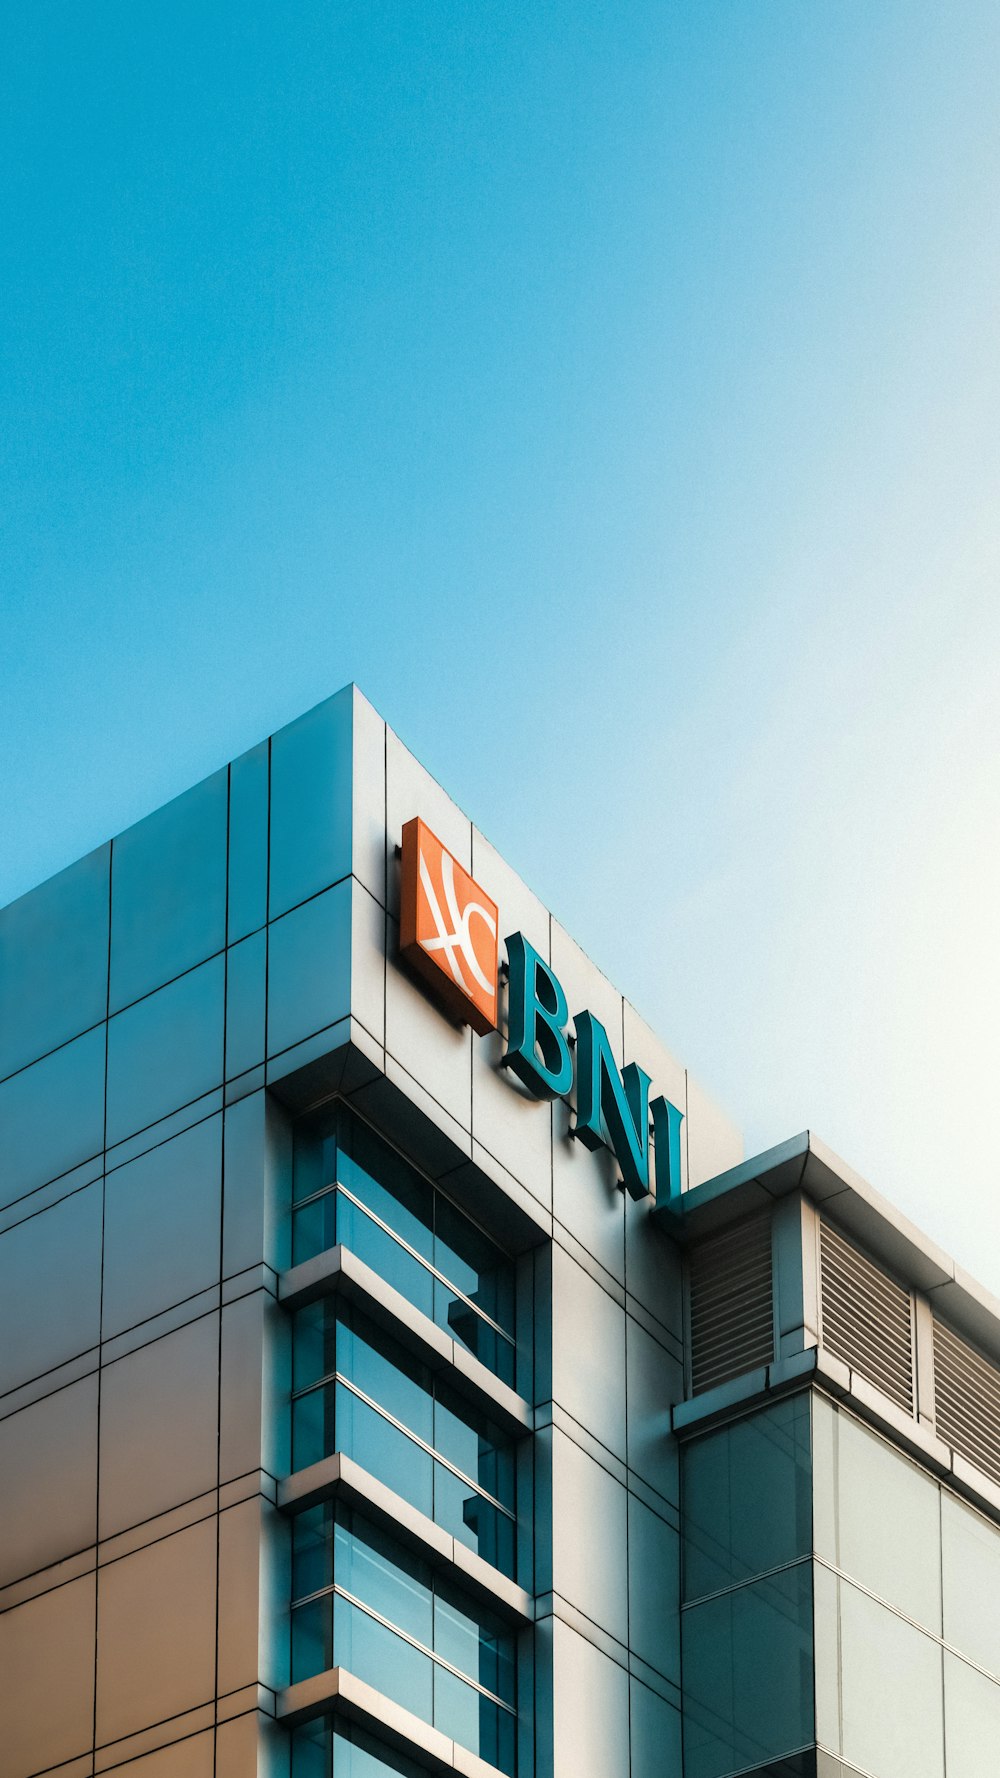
[747, 1497]
[474, 1264]
[377, 1655]
[356, 1230]
[380, 1573]
[414, 1237]
[748, 1681]
[54, 961]
[373, 1172]
[168, 891]
[473, 1520]
[337, 1749]
[474, 1445]
[395, 1602]
[385, 1451]
[383, 1370]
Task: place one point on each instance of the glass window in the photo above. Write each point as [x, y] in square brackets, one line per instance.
[971, 1575]
[337, 1749]
[748, 1680]
[747, 1497]
[359, 1392]
[403, 1629]
[352, 1187]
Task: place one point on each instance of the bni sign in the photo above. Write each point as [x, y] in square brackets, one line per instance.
[448, 933]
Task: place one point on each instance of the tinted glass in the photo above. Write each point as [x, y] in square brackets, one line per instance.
[325, 1749]
[748, 1675]
[386, 1582]
[407, 1231]
[747, 1497]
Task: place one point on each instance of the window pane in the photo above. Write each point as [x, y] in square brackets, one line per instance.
[312, 1645]
[383, 1659]
[314, 1228]
[474, 1445]
[355, 1754]
[385, 1451]
[383, 1181]
[383, 1370]
[465, 1716]
[379, 1250]
[382, 1574]
[748, 1679]
[473, 1520]
[312, 1551]
[472, 1262]
[747, 1497]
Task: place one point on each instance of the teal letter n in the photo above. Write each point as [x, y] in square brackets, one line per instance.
[613, 1108]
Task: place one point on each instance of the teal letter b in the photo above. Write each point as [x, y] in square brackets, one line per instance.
[537, 1015]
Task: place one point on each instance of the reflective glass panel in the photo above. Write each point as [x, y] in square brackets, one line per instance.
[407, 1231]
[404, 1629]
[747, 1497]
[337, 1749]
[748, 1680]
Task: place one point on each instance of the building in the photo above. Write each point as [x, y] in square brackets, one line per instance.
[364, 1411]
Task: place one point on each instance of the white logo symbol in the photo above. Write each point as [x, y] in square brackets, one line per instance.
[459, 938]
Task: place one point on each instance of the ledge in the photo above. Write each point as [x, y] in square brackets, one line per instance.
[338, 1271]
[338, 1692]
[339, 1478]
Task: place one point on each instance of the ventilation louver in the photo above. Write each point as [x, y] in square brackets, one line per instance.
[967, 1401]
[867, 1318]
[732, 1315]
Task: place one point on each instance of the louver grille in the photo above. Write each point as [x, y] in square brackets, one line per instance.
[867, 1318]
[967, 1401]
[732, 1318]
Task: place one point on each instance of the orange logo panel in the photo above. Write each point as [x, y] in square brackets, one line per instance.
[448, 929]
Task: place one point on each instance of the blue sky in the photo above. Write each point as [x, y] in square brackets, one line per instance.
[612, 392]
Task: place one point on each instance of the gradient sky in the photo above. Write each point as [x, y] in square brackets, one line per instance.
[613, 391]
